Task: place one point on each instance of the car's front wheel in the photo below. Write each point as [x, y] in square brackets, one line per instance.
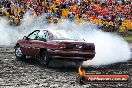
[44, 58]
[18, 53]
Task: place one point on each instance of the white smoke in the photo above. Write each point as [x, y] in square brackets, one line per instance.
[7, 33]
[110, 48]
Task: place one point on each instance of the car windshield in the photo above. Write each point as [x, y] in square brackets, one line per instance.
[65, 35]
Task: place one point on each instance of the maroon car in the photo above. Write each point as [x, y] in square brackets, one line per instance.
[55, 44]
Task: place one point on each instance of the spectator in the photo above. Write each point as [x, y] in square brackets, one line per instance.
[107, 14]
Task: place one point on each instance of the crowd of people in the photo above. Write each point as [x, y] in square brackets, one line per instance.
[108, 15]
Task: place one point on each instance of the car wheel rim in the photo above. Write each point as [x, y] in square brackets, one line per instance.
[18, 52]
[45, 60]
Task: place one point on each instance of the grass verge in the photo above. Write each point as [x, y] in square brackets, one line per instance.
[128, 38]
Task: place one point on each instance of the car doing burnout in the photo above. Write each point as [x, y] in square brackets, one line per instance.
[55, 44]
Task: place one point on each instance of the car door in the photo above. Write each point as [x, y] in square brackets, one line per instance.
[38, 42]
[25, 46]
[29, 42]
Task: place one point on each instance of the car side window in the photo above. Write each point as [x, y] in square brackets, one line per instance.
[49, 36]
[42, 35]
[33, 35]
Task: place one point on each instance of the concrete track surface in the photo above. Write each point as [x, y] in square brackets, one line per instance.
[30, 74]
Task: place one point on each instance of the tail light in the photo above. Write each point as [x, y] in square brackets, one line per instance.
[93, 47]
[62, 46]
[67, 46]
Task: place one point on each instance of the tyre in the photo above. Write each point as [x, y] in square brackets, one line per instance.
[44, 58]
[18, 53]
[78, 63]
[82, 80]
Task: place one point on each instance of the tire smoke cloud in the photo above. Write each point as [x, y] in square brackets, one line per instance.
[110, 48]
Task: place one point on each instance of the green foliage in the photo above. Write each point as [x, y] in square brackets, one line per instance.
[128, 38]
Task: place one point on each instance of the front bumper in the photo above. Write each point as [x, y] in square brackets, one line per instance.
[75, 55]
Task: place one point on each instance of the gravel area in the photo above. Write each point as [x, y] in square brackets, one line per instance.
[30, 74]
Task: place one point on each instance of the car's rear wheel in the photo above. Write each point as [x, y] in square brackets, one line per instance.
[18, 53]
[44, 58]
[82, 80]
[78, 63]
